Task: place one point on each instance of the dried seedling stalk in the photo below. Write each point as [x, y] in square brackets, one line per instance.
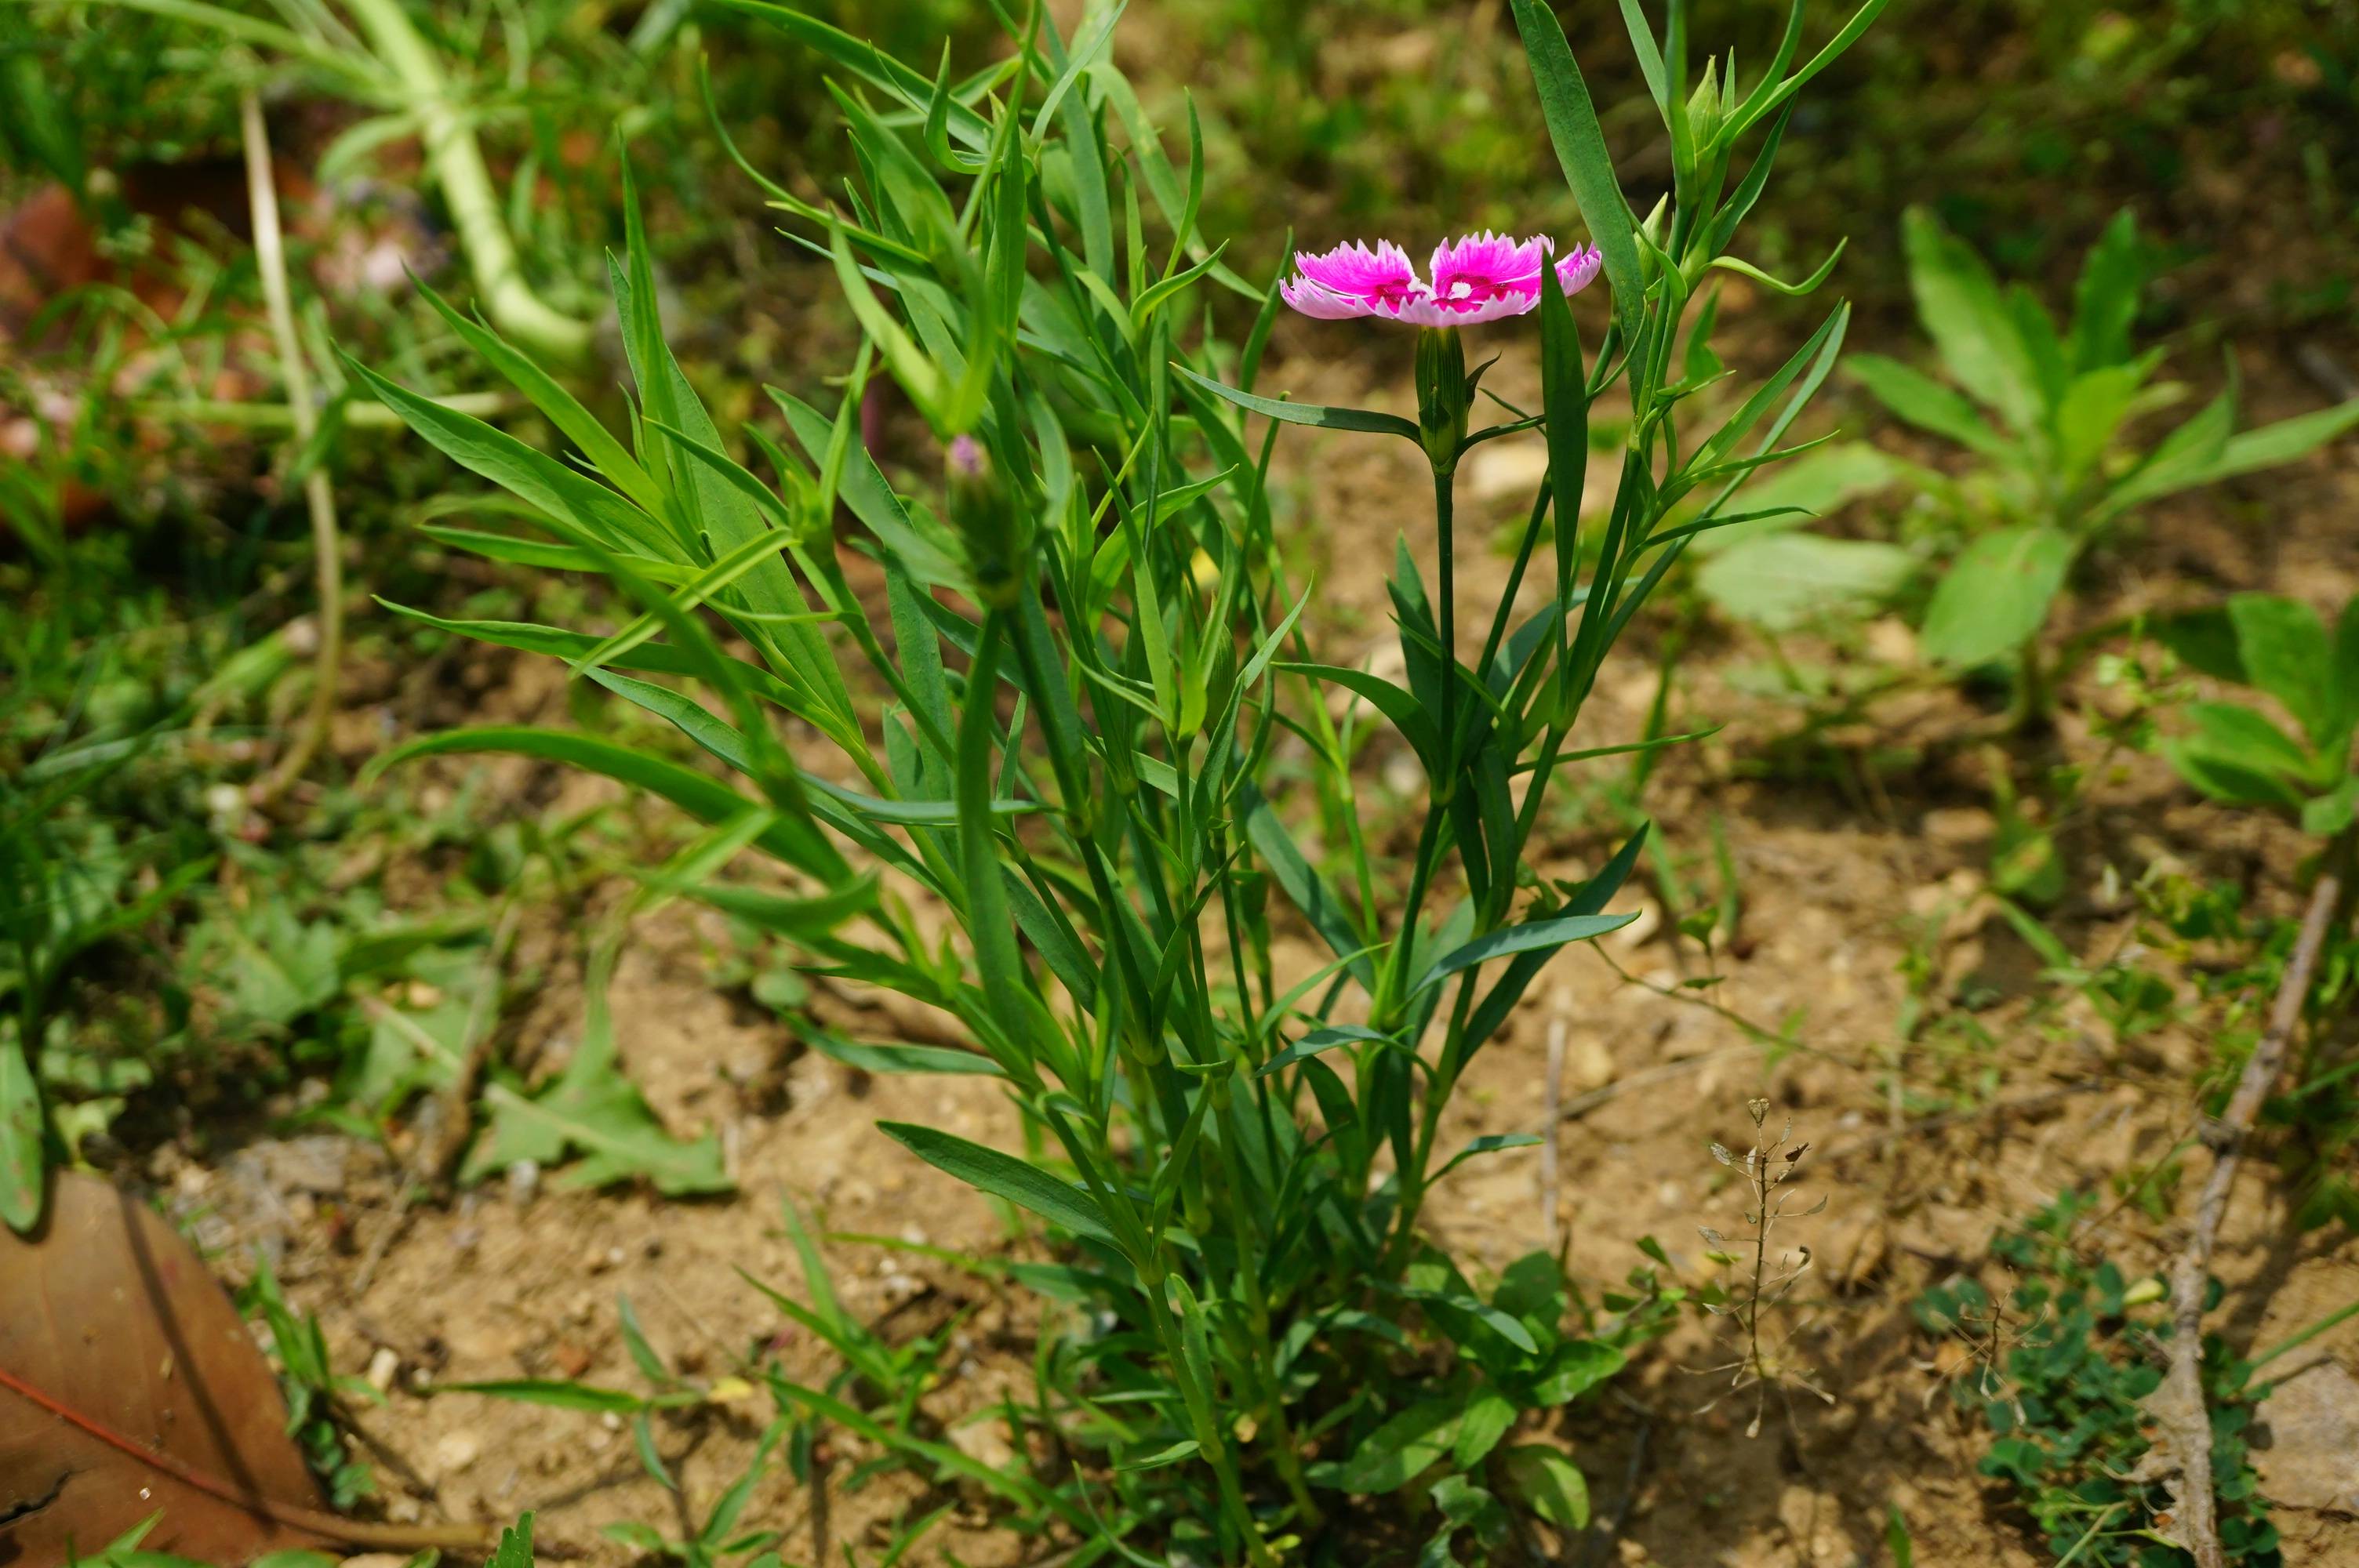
[327, 544]
[1989, 1336]
[1767, 1166]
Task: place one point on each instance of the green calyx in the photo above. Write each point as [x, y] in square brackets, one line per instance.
[1445, 395]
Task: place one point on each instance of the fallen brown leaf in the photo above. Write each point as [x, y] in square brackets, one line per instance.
[129, 1386]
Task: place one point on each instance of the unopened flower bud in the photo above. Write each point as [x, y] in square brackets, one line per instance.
[1705, 107]
[987, 521]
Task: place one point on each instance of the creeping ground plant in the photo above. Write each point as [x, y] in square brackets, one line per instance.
[1059, 729]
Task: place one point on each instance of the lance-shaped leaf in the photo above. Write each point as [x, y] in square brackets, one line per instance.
[869, 63]
[1004, 1176]
[1389, 700]
[1317, 415]
[1319, 1040]
[706, 799]
[1532, 936]
[534, 476]
[1581, 151]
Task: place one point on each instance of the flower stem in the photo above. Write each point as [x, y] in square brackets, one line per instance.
[1445, 613]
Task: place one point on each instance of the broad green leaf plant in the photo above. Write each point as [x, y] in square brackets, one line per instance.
[2054, 417]
[1060, 733]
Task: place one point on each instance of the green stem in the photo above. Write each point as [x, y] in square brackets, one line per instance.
[452, 153]
[1438, 1090]
[2331, 1319]
[1209, 1444]
[2031, 689]
[1282, 1446]
[1398, 972]
[1446, 614]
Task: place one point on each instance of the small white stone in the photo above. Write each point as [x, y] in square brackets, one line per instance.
[456, 1451]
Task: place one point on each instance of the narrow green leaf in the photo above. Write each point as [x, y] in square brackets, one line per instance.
[22, 1166]
[1184, 1449]
[796, 919]
[707, 799]
[661, 657]
[869, 63]
[1532, 936]
[1489, 1144]
[895, 1060]
[541, 553]
[532, 476]
[1311, 893]
[549, 1392]
[609, 456]
[1316, 415]
[1004, 1176]
[1319, 1040]
[634, 1340]
[1386, 698]
[1581, 151]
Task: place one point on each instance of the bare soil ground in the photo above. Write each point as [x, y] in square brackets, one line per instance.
[1838, 871]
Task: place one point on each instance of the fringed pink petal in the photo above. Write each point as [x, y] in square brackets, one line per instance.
[1317, 300]
[1474, 264]
[1422, 311]
[1476, 277]
[1468, 311]
[1354, 268]
[1578, 270]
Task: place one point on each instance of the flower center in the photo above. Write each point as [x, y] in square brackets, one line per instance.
[1473, 288]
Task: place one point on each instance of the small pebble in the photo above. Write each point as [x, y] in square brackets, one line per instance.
[456, 1451]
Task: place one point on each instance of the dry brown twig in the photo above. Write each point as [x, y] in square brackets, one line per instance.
[2181, 1455]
